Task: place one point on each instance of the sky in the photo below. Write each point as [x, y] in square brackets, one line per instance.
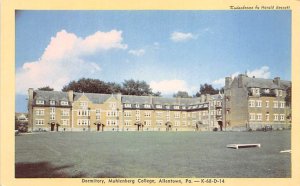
[170, 50]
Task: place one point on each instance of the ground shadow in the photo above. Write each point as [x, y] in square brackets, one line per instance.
[43, 170]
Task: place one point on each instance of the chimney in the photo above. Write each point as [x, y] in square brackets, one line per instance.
[207, 97]
[30, 94]
[202, 98]
[240, 80]
[228, 81]
[277, 81]
[119, 97]
[71, 95]
[30, 111]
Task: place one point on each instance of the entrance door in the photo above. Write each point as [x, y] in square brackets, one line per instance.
[220, 123]
[52, 126]
[98, 127]
[57, 127]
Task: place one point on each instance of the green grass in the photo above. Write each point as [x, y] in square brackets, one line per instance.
[152, 154]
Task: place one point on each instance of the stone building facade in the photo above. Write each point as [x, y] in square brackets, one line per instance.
[254, 103]
[72, 111]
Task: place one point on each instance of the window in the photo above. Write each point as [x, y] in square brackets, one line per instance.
[111, 122]
[127, 114]
[176, 107]
[113, 105]
[275, 104]
[212, 112]
[147, 106]
[252, 117]
[219, 103]
[64, 103]
[183, 115]
[258, 117]
[251, 103]
[267, 117]
[147, 114]
[167, 107]
[137, 118]
[97, 117]
[39, 112]
[65, 122]
[98, 112]
[267, 104]
[127, 123]
[39, 122]
[137, 113]
[184, 123]
[83, 113]
[267, 91]
[159, 114]
[177, 115]
[282, 104]
[275, 117]
[255, 91]
[177, 123]
[168, 118]
[279, 92]
[159, 123]
[52, 102]
[282, 116]
[83, 122]
[40, 102]
[65, 112]
[83, 104]
[158, 106]
[112, 113]
[52, 110]
[127, 105]
[148, 123]
[52, 117]
[137, 105]
[258, 103]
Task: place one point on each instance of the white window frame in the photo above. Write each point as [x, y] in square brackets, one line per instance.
[147, 114]
[176, 115]
[65, 112]
[282, 117]
[258, 103]
[40, 112]
[259, 117]
[275, 103]
[252, 116]
[65, 122]
[65, 103]
[159, 122]
[267, 104]
[40, 102]
[39, 122]
[251, 103]
[52, 102]
[276, 117]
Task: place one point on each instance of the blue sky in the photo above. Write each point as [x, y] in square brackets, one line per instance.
[170, 50]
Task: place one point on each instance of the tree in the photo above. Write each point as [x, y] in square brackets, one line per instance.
[207, 89]
[89, 85]
[46, 88]
[181, 94]
[138, 88]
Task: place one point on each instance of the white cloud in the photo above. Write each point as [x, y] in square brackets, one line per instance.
[171, 86]
[139, 52]
[262, 72]
[62, 60]
[181, 36]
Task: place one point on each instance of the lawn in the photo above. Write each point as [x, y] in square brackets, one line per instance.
[152, 154]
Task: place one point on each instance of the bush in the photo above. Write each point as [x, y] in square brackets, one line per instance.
[215, 129]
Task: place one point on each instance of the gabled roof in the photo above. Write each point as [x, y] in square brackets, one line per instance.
[93, 97]
[264, 83]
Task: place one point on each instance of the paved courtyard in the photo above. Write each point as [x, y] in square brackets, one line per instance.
[152, 154]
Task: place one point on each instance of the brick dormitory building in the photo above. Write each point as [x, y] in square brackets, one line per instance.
[246, 103]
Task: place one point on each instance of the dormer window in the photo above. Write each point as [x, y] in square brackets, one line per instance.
[158, 106]
[147, 106]
[255, 91]
[167, 107]
[176, 107]
[83, 104]
[64, 103]
[137, 105]
[40, 102]
[267, 91]
[52, 102]
[279, 92]
[127, 105]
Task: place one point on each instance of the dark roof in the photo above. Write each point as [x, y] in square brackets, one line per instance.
[50, 95]
[265, 83]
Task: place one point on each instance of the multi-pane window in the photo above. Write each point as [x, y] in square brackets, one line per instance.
[98, 117]
[39, 122]
[65, 112]
[127, 105]
[177, 115]
[147, 114]
[252, 116]
[83, 112]
[183, 115]
[138, 118]
[275, 104]
[282, 104]
[275, 117]
[83, 122]
[212, 112]
[65, 121]
[282, 116]
[255, 91]
[113, 105]
[40, 102]
[137, 112]
[52, 117]
[52, 110]
[112, 113]
[258, 103]
[158, 106]
[127, 113]
[267, 104]
[137, 105]
[148, 123]
[98, 112]
[177, 123]
[258, 117]
[159, 123]
[64, 103]
[251, 103]
[111, 122]
[39, 112]
[147, 106]
[183, 123]
[127, 123]
[176, 107]
[83, 104]
[167, 106]
[52, 102]
[279, 92]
